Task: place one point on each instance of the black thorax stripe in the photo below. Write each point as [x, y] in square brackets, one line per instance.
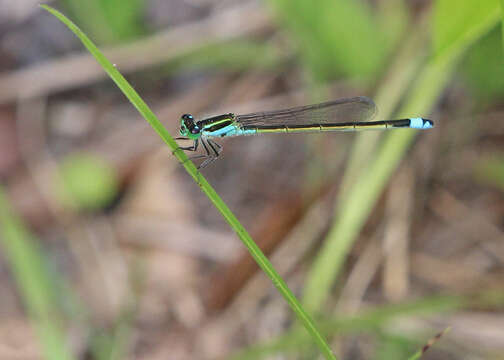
[214, 120]
[218, 125]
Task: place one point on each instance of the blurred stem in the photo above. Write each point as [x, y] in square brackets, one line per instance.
[151, 118]
[33, 281]
[403, 70]
[365, 191]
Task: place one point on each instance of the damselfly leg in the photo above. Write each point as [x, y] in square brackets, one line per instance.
[212, 154]
[215, 145]
[193, 147]
[212, 150]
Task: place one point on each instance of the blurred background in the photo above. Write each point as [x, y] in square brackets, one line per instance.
[109, 250]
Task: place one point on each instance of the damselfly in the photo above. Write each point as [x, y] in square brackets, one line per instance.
[348, 114]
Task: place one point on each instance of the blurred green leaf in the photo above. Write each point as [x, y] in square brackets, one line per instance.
[124, 17]
[457, 23]
[88, 182]
[109, 21]
[484, 67]
[236, 55]
[336, 37]
[112, 343]
[393, 347]
[34, 281]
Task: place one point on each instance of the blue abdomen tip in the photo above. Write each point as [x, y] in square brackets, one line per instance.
[420, 123]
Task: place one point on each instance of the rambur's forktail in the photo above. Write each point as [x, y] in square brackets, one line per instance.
[347, 114]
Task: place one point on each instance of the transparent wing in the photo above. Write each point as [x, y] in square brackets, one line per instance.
[342, 110]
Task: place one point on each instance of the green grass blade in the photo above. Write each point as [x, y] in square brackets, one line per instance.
[502, 21]
[254, 250]
[368, 321]
[34, 282]
[429, 344]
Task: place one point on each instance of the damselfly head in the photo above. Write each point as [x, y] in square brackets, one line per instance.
[187, 125]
